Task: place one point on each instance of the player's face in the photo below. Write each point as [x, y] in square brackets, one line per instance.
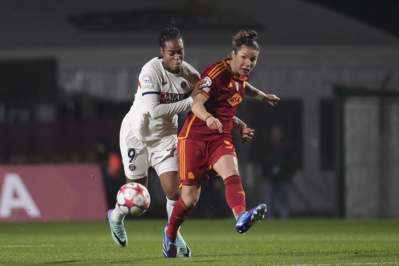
[173, 55]
[244, 60]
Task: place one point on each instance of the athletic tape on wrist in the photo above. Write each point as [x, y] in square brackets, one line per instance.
[260, 95]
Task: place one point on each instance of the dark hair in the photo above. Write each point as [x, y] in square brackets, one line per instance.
[169, 33]
[247, 38]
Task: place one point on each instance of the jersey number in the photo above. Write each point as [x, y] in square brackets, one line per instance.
[131, 153]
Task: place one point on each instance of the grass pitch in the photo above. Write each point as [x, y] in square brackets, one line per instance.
[213, 242]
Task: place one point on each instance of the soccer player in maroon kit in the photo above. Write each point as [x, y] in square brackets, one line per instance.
[206, 143]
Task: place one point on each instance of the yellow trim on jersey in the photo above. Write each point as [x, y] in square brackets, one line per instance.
[216, 69]
[215, 74]
[206, 95]
[189, 127]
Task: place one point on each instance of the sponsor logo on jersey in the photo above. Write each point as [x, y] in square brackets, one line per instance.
[208, 81]
[183, 84]
[235, 99]
[230, 85]
[132, 167]
[146, 78]
[168, 97]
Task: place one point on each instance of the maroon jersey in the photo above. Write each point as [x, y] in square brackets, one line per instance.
[225, 91]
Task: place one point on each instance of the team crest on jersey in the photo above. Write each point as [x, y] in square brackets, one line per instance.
[146, 78]
[132, 167]
[183, 84]
[208, 81]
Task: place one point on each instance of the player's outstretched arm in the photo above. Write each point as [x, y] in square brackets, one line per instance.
[258, 94]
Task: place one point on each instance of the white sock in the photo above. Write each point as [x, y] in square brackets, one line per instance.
[117, 215]
[170, 204]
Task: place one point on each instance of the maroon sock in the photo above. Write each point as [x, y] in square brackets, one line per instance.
[235, 195]
[179, 215]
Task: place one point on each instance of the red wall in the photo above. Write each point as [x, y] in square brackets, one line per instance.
[68, 192]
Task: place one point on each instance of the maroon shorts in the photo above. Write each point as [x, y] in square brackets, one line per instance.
[196, 157]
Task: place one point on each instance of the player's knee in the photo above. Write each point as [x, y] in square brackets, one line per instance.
[190, 200]
[173, 194]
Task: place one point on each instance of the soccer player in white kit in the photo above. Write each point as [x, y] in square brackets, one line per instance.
[148, 134]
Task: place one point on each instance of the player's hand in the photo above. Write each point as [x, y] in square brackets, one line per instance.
[271, 99]
[246, 134]
[214, 123]
[198, 87]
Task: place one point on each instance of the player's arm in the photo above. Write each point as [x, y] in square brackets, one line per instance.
[246, 133]
[260, 95]
[200, 111]
[157, 110]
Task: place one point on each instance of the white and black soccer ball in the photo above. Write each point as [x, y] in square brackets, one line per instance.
[133, 198]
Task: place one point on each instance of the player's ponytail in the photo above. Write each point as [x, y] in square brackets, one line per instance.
[247, 38]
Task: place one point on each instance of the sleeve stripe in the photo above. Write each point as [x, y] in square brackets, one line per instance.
[150, 92]
[204, 93]
[217, 73]
[216, 69]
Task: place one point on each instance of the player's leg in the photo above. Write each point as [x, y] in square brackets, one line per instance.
[226, 165]
[135, 165]
[181, 211]
[189, 164]
[116, 217]
[170, 182]
[164, 159]
[183, 208]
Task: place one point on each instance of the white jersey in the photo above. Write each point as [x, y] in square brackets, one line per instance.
[160, 96]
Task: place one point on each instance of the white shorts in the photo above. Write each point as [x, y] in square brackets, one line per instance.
[138, 156]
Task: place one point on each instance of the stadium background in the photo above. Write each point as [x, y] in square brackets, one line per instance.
[68, 73]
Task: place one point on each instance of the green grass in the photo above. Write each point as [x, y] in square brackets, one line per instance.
[213, 242]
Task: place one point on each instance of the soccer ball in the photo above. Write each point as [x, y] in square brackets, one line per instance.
[133, 198]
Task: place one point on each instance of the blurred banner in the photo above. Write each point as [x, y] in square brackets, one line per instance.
[71, 192]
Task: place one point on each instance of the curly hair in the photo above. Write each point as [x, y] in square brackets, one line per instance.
[169, 33]
[247, 38]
